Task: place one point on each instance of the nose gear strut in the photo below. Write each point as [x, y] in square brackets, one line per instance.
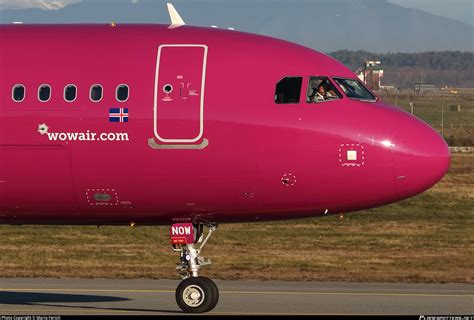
[194, 294]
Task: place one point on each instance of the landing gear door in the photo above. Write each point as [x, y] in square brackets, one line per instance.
[179, 95]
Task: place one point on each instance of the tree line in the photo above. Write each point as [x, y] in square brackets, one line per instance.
[443, 68]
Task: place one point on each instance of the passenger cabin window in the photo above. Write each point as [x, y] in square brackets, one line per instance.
[44, 93]
[288, 90]
[320, 89]
[96, 93]
[354, 89]
[122, 93]
[18, 93]
[70, 93]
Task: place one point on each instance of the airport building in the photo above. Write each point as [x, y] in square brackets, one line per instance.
[371, 74]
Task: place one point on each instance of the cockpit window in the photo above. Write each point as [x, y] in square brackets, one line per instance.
[288, 90]
[320, 89]
[354, 89]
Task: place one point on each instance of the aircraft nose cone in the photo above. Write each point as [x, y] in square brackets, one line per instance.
[421, 158]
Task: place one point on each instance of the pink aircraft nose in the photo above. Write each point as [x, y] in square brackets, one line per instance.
[421, 157]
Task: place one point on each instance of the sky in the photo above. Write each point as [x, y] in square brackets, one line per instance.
[462, 10]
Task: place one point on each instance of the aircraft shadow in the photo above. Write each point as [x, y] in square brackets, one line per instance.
[60, 300]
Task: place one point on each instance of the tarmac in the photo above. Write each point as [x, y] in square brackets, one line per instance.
[47, 296]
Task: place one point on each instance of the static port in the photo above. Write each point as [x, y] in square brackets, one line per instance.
[288, 179]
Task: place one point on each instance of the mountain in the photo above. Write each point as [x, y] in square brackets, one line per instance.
[326, 25]
[42, 4]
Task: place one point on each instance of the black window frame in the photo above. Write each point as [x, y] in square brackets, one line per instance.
[17, 86]
[283, 99]
[42, 86]
[375, 98]
[65, 92]
[332, 87]
[101, 92]
[117, 92]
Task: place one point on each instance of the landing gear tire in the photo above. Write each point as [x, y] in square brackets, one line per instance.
[197, 295]
[215, 293]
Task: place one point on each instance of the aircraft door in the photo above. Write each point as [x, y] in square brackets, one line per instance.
[179, 96]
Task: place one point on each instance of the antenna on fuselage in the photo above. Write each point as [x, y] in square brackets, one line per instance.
[176, 20]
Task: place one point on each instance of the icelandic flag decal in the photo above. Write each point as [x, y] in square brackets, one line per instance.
[118, 115]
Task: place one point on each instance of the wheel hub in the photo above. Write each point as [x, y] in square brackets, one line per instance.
[193, 296]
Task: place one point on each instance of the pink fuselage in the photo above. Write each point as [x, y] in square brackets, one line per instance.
[250, 158]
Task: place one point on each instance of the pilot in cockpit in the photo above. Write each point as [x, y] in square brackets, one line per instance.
[329, 93]
[323, 93]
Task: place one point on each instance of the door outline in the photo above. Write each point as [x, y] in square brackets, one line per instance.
[203, 85]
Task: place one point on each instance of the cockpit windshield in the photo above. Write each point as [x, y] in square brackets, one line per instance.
[354, 89]
[320, 89]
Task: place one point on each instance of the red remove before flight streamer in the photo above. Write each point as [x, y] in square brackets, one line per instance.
[151, 125]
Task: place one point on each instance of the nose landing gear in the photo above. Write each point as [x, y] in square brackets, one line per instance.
[195, 294]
